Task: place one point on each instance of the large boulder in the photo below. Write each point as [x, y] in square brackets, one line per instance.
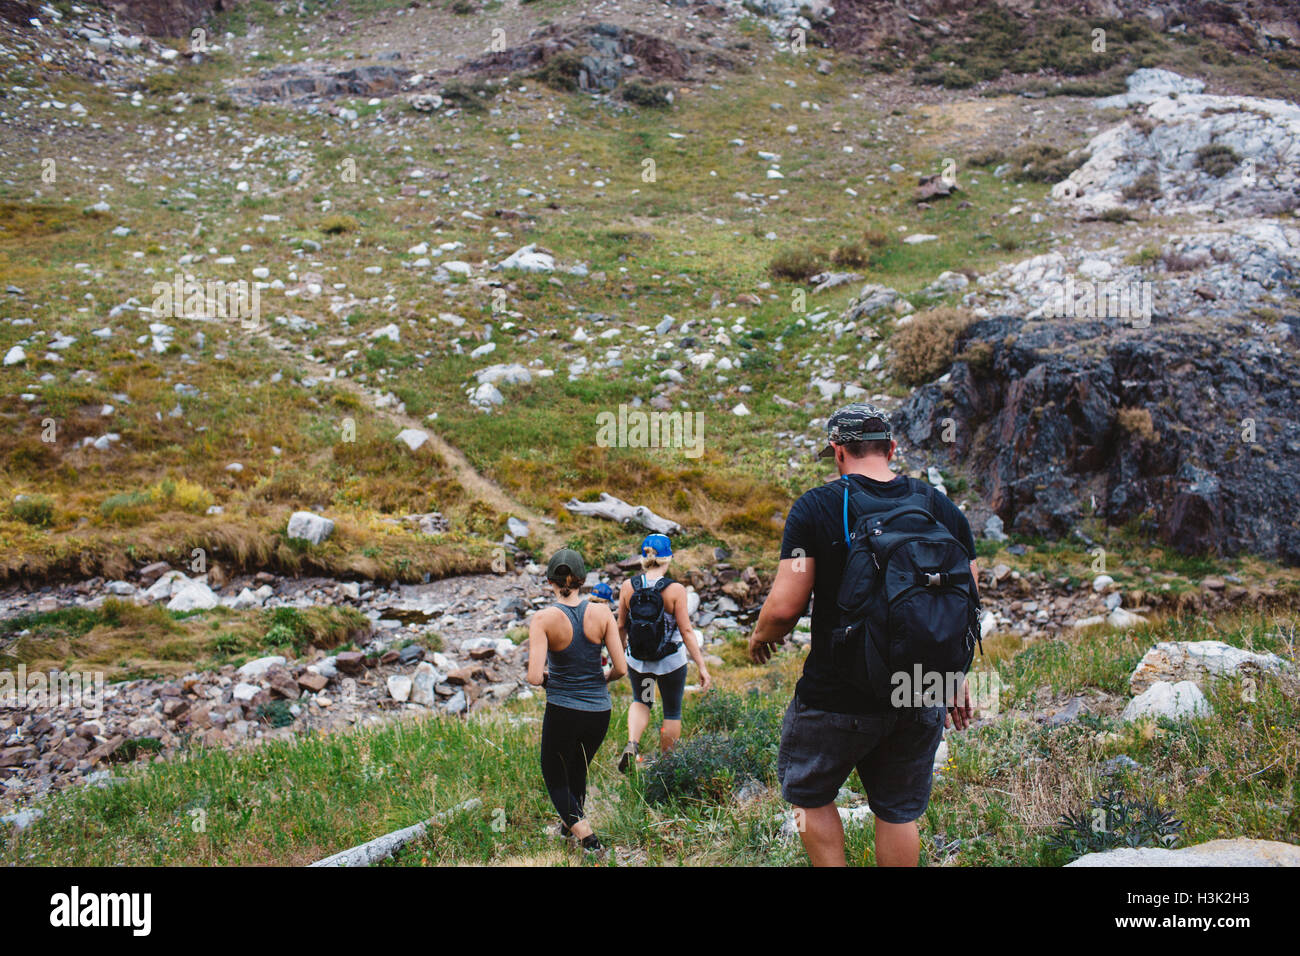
[1155, 427]
[1190, 153]
[1163, 699]
[1237, 852]
[1173, 661]
[306, 526]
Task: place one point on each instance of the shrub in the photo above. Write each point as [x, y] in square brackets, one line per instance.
[923, 349]
[851, 255]
[183, 494]
[561, 71]
[333, 225]
[1137, 422]
[653, 95]
[276, 713]
[469, 95]
[1145, 188]
[36, 510]
[796, 265]
[712, 766]
[1112, 820]
[1217, 159]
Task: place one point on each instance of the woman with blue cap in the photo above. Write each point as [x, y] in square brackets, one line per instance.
[655, 624]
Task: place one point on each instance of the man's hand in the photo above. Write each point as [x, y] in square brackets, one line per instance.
[760, 652]
[959, 716]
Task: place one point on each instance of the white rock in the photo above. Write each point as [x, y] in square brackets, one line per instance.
[256, 669]
[423, 681]
[1101, 582]
[1198, 660]
[309, 527]
[244, 692]
[399, 687]
[1163, 699]
[162, 588]
[1123, 619]
[413, 438]
[15, 356]
[194, 595]
[1240, 851]
[528, 259]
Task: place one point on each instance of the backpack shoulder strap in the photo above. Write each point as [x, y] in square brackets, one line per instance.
[662, 584]
[638, 583]
[920, 487]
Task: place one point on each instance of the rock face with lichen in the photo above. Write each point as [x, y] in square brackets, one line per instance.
[1186, 435]
[1197, 661]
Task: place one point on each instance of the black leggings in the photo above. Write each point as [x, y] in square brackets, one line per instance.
[570, 739]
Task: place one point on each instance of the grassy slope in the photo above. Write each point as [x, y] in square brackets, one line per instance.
[1003, 789]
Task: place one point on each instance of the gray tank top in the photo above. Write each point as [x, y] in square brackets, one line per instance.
[576, 680]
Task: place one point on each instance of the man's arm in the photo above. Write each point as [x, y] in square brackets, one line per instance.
[785, 604]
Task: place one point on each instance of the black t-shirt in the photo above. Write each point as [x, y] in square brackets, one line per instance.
[815, 529]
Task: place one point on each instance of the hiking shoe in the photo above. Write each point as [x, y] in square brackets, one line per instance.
[593, 847]
[625, 759]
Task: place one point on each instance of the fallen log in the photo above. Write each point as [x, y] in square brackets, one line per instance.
[615, 509]
[382, 847]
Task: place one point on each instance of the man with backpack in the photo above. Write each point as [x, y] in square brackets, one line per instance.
[890, 565]
[656, 627]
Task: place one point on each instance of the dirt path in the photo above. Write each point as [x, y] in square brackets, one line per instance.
[476, 484]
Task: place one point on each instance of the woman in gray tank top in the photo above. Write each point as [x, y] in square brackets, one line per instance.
[567, 639]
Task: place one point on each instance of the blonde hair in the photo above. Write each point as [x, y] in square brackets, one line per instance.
[650, 559]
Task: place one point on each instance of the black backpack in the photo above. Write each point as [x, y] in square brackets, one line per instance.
[909, 611]
[647, 625]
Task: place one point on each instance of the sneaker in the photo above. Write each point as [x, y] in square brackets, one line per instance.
[625, 759]
[593, 847]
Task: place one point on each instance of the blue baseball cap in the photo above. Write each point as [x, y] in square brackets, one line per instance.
[604, 591]
[663, 547]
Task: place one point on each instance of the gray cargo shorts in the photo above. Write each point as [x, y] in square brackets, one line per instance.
[893, 753]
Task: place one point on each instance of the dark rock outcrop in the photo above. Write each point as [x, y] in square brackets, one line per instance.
[1181, 430]
[168, 18]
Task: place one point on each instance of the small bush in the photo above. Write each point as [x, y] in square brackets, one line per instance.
[851, 256]
[1137, 422]
[923, 349]
[276, 713]
[796, 265]
[334, 225]
[561, 71]
[469, 95]
[1145, 188]
[463, 7]
[1112, 820]
[1117, 214]
[652, 95]
[35, 510]
[1217, 159]
[712, 766]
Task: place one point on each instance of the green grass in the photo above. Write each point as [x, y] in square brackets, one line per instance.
[996, 802]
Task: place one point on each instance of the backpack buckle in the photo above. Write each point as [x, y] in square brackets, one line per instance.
[933, 580]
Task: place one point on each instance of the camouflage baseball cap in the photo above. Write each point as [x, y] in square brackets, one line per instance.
[860, 421]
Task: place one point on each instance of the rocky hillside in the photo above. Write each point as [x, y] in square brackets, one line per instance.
[323, 325]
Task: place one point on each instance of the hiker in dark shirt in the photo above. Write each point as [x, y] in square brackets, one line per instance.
[569, 636]
[830, 728]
